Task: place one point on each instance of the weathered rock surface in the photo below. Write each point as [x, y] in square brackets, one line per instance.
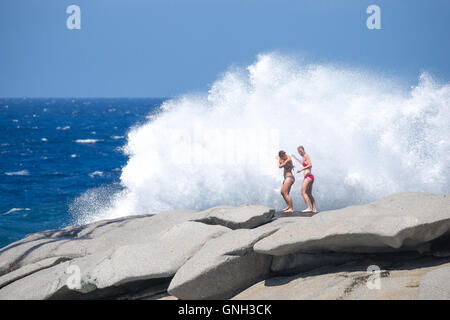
[29, 269]
[225, 265]
[217, 253]
[399, 279]
[142, 250]
[160, 259]
[407, 221]
[79, 241]
[435, 285]
[115, 267]
[49, 282]
[242, 217]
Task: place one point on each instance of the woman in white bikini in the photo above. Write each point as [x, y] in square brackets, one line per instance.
[307, 181]
[284, 161]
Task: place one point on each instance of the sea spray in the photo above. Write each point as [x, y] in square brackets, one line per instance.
[366, 134]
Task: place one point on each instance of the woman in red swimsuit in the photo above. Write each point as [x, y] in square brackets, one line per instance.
[284, 161]
[307, 181]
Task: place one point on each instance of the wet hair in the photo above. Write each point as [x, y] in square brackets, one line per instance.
[281, 153]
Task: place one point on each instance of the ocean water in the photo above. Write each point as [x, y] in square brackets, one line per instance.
[368, 136]
[53, 150]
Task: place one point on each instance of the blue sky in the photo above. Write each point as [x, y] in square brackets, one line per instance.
[164, 48]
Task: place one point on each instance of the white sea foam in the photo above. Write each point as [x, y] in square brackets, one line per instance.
[368, 136]
[63, 128]
[18, 173]
[87, 140]
[14, 210]
[96, 173]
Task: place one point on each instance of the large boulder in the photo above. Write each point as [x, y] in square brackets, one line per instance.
[79, 241]
[405, 221]
[159, 259]
[115, 257]
[29, 269]
[243, 217]
[397, 279]
[48, 282]
[109, 270]
[217, 253]
[225, 265]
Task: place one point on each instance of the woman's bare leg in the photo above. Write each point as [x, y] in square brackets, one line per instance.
[311, 198]
[288, 187]
[285, 189]
[305, 185]
[283, 192]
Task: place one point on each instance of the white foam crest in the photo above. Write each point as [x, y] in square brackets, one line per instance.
[14, 210]
[18, 173]
[367, 136]
[96, 173]
[87, 140]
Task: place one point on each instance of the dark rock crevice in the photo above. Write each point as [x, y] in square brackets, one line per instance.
[138, 289]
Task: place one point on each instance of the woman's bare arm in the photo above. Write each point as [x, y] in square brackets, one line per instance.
[283, 163]
[296, 158]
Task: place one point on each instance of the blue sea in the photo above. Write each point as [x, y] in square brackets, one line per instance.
[53, 150]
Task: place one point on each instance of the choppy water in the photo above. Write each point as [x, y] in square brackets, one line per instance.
[53, 150]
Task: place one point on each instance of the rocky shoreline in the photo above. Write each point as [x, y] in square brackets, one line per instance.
[245, 252]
